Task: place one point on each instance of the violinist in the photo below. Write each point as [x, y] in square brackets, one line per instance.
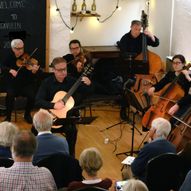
[76, 61]
[184, 80]
[75, 49]
[131, 43]
[19, 81]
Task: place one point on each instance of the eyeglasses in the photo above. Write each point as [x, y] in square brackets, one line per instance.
[61, 69]
[74, 48]
[18, 48]
[176, 63]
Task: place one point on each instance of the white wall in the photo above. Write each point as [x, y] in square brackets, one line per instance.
[181, 38]
[90, 32]
[59, 34]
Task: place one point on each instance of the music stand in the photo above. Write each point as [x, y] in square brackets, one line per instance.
[132, 100]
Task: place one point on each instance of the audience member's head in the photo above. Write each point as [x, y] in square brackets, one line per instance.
[135, 185]
[24, 145]
[91, 161]
[42, 120]
[7, 132]
[160, 127]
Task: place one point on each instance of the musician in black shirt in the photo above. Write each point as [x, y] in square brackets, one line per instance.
[60, 81]
[183, 78]
[131, 45]
[19, 80]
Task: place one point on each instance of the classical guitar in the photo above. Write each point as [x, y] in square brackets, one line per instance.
[67, 97]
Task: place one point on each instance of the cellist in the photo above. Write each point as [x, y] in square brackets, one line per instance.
[184, 80]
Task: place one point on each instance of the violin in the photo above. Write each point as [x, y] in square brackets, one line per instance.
[27, 61]
[79, 62]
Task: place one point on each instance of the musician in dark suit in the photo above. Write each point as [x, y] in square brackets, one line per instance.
[160, 129]
[60, 81]
[19, 81]
[131, 45]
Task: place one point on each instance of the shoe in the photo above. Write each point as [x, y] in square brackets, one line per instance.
[7, 119]
[28, 118]
[123, 114]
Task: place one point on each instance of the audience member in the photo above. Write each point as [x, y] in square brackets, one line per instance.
[90, 162]
[7, 132]
[186, 186]
[23, 175]
[135, 185]
[158, 144]
[185, 156]
[48, 144]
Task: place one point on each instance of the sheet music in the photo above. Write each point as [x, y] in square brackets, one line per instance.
[128, 160]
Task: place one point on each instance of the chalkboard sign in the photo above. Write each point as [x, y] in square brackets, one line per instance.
[25, 19]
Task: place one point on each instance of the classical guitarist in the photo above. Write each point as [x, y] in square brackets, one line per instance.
[53, 96]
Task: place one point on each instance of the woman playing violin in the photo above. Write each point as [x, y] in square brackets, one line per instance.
[183, 77]
[19, 81]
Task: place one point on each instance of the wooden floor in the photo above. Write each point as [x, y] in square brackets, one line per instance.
[94, 134]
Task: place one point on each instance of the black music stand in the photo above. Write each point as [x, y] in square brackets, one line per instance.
[132, 100]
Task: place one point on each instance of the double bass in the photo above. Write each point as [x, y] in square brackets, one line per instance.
[155, 69]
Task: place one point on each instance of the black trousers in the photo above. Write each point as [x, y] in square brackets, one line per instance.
[14, 91]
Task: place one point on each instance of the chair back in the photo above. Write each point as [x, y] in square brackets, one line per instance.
[6, 162]
[164, 172]
[64, 169]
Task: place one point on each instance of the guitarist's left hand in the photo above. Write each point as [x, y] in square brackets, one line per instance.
[86, 80]
[59, 105]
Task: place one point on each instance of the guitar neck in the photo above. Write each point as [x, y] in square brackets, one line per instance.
[72, 90]
[87, 70]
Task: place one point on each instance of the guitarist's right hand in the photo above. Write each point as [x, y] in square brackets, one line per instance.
[59, 105]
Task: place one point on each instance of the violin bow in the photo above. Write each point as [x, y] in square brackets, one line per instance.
[181, 121]
[29, 56]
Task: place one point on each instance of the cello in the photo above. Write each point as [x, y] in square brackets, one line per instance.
[155, 69]
[180, 135]
[169, 96]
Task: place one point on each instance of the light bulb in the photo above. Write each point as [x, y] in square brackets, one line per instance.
[119, 8]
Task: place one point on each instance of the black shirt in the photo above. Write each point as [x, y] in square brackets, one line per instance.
[51, 86]
[24, 76]
[134, 45]
[182, 81]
